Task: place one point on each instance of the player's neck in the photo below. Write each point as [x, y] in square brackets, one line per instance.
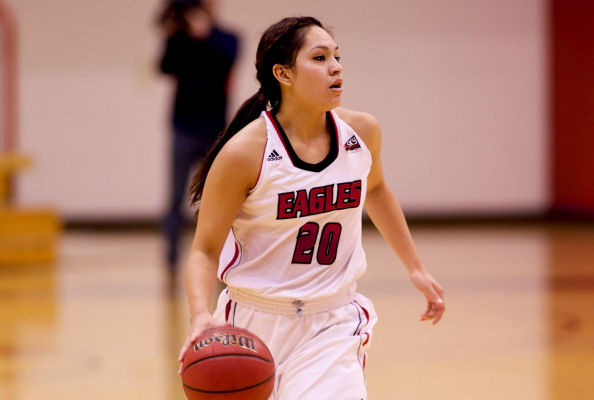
[301, 122]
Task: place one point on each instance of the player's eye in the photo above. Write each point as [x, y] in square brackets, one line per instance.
[338, 58]
[320, 58]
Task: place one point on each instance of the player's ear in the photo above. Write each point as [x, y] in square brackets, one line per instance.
[282, 74]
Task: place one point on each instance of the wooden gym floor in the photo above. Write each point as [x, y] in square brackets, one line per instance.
[99, 324]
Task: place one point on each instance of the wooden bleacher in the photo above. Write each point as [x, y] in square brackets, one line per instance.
[27, 235]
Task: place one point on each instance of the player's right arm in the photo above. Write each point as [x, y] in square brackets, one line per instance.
[234, 171]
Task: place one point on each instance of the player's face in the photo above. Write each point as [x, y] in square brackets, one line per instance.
[317, 78]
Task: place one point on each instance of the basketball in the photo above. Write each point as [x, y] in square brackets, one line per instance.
[228, 363]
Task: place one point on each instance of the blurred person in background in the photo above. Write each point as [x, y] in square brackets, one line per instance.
[199, 55]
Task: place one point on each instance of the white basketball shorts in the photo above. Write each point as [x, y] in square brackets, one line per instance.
[318, 355]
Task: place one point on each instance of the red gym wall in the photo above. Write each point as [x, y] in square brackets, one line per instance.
[573, 106]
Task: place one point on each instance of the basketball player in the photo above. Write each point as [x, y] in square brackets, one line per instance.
[281, 197]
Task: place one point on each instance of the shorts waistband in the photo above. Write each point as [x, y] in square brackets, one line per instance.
[288, 306]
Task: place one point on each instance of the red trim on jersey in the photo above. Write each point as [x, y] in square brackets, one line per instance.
[335, 130]
[366, 334]
[278, 134]
[227, 311]
[366, 339]
[261, 165]
[232, 261]
[364, 310]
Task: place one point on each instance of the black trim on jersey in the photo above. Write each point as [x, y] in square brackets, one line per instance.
[299, 163]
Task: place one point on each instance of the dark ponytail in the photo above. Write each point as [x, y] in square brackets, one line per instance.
[249, 111]
[278, 45]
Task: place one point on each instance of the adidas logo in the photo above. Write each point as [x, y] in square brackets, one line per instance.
[352, 144]
[274, 156]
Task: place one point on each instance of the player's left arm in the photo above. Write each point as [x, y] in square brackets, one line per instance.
[384, 210]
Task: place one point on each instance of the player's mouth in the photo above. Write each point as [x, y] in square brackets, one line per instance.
[336, 86]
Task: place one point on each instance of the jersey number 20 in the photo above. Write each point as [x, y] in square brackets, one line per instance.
[327, 246]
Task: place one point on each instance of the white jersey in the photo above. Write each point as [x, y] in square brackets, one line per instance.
[298, 233]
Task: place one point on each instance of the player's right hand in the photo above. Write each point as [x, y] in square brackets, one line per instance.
[199, 323]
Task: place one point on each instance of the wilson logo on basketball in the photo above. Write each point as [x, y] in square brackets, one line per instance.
[244, 342]
[352, 144]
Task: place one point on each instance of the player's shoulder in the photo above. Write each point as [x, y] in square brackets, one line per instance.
[365, 124]
[243, 152]
[240, 158]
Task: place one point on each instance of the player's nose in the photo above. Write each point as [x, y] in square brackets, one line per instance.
[335, 67]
